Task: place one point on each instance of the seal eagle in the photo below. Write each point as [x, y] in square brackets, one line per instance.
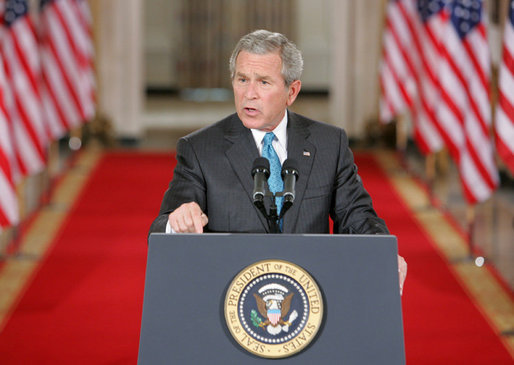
[274, 310]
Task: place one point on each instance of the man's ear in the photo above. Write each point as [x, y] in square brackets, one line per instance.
[293, 91]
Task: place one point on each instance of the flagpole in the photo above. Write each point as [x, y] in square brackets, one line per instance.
[52, 171]
[471, 221]
[9, 242]
[443, 162]
[401, 138]
[13, 244]
[75, 143]
[430, 171]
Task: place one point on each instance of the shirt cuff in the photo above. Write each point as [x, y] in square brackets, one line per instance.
[168, 228]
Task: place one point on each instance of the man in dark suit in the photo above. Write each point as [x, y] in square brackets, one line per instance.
[212, 184]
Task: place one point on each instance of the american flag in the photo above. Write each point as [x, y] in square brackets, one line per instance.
[67, 62]
[83, 13]
[428, 20]
[464, 112]
[410, 57]
[504, 126]
[19, 50]
[8, 202]
[397, 83]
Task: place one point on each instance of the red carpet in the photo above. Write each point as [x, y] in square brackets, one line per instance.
[84, 304]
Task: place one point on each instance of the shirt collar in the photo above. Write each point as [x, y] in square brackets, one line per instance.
[280, 132]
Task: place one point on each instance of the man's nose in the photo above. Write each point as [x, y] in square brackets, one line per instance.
[251, 91]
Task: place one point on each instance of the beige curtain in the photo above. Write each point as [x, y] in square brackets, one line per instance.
[211, 28]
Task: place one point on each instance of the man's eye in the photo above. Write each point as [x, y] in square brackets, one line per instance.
[264, 82]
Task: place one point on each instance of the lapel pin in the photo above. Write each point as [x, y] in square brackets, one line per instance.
[307, 153]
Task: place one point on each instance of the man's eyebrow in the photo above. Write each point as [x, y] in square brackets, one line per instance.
[257, 76]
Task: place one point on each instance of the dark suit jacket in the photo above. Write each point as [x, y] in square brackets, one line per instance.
[214, 169]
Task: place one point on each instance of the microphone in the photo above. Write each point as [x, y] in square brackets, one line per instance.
[260, 174]
[289, 176]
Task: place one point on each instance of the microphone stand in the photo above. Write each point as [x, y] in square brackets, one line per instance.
[272, 217]
[273, 221]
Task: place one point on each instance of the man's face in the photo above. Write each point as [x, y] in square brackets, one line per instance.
[261, 96]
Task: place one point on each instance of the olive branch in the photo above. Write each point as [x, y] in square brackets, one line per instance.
[256, 320]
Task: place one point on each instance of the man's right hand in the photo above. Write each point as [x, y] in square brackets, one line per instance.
[188, 218]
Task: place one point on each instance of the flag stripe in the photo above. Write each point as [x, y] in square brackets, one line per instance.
[506, 107]
[63, 59]
[426, 130]
[84, 37]
[479, 66]
[504, 122]
[394, 98]
[68, 50]
[54, 110]
[8, 203]
[405, 97]
[67, 56]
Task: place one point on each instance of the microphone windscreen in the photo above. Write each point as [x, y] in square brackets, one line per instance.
[290, 165]
[262, 164]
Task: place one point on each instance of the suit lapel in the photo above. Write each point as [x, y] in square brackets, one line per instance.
[241, 152]
[303, 151]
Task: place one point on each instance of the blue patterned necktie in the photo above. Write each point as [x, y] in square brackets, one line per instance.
[275, 182]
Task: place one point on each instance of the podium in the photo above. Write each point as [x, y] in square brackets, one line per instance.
[188, 277]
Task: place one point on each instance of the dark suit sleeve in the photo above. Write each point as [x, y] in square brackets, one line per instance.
[351, 208]
[187, 185]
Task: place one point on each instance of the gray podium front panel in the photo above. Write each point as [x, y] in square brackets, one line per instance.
[187, 277]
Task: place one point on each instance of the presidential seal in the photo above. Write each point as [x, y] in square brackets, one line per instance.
[273, 308]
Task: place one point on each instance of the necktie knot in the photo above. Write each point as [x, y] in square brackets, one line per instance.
[268, 138]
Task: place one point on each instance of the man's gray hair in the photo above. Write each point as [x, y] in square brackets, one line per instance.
[263, 42]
